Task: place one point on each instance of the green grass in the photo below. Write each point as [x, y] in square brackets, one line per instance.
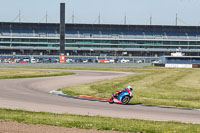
[152, 86]
[97, 122]
[16, 73]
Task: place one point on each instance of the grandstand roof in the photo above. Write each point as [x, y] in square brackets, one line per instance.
[105, 27]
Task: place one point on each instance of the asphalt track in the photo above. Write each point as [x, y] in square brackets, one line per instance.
[33, 94]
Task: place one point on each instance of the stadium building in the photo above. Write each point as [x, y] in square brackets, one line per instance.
[98, 39]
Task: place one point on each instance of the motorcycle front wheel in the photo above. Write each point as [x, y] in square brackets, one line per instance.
[111, 100]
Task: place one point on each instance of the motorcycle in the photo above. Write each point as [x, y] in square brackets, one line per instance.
[123, 98]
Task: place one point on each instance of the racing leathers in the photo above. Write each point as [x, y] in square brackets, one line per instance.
[117, 93]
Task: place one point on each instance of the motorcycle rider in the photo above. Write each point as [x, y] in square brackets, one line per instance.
[129, 88]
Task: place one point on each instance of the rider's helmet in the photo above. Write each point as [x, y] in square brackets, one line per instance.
[130, 88]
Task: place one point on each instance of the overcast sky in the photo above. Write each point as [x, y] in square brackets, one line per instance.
[112, 11]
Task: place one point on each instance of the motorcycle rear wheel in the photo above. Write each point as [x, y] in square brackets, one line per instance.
[125, 100]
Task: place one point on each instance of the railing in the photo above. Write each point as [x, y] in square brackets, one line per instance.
[109, 35]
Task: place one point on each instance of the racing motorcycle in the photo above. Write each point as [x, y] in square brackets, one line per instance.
[123, 98]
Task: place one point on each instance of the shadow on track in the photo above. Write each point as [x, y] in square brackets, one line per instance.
[157, 106]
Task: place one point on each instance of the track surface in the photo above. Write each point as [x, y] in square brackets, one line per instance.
[33, 94]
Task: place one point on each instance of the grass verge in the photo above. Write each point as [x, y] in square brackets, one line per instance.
[16, 73]
[152, 86]
[96, 122]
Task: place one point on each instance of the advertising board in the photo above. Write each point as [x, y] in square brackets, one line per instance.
[62, 59]
[179, 65]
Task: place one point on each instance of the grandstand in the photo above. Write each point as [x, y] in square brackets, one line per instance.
[98, 39]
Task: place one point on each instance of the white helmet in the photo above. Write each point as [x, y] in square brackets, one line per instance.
[130, 88]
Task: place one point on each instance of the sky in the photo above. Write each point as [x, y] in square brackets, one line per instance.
[163, 12]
